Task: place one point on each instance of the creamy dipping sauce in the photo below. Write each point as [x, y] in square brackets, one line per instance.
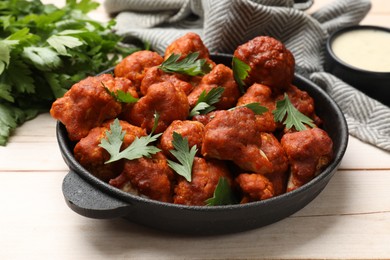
[366, 49]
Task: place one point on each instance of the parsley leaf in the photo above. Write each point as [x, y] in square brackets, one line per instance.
[223, 194]
[240, 72]
[121, 96]
[60, 42]
[205, 101]
[286, 113]
[114, 138]
[5, 51]
[84, 5]
[184, 155]
[10, 117]
[255, 107]
[43, 58]
[137, 149]
[54, 81]
[190, 65]
[124, 97]
[19, 78]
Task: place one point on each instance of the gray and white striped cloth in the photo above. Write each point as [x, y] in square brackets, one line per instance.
[225, 24]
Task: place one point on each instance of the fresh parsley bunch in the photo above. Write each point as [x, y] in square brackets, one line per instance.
[44, 50]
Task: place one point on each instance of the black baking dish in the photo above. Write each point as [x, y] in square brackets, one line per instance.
[91, 197]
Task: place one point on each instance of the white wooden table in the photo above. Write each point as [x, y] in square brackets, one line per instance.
[350, 219]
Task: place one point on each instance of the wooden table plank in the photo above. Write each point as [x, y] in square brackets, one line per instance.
[38, 224]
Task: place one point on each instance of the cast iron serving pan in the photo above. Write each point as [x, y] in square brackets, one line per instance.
[91, 197]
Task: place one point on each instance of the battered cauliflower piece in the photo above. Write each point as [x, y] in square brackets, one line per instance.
[188, 43]
[234, 135]
[162, 98]
[219, 76]
[308, 152]
[150, 177]
[155, 75]
[205, 177]
[254, 187]
[192, 130]
[93, 157]
[270, 62]
[258, 93]
[275, 153]
[88, 104]
[134, 66]
[206, 118]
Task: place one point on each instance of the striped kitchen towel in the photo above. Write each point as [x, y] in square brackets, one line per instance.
[225, 24]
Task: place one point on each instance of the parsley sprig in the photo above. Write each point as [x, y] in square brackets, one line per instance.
[190, 65]
[184, 155]
[137, 149]
[206, 100]
[44, 50]
[223, 194]
[256, 108]
[120, 95]
[286, 113]
[240, 72]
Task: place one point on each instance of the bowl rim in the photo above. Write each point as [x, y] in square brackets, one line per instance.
[345, 65]
[132, 198]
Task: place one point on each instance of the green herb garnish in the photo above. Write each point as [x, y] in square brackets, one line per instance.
[190, 65]
[205, 101]
[240, 72]
[184, 155]
[44, 50]
[62, 41]
[121, 96]
[287, 114]
[137, 149]
[255, 107]
[223, 194]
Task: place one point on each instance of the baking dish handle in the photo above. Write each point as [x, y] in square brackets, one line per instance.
[86, 200]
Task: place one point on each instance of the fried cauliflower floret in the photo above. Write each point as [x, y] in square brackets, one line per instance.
[302, 101]
[156, 75]
[134, 66]
[206, 118]
[88, 104]
[188, 43]
[205, 177]
[270, 62]
[162, 98]
[308, 152]
[254, 187]
[192, 130]
[235, 136]
[219, 76]
[258, 93]
[275, 153]
[93, 157]
[150, 177]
